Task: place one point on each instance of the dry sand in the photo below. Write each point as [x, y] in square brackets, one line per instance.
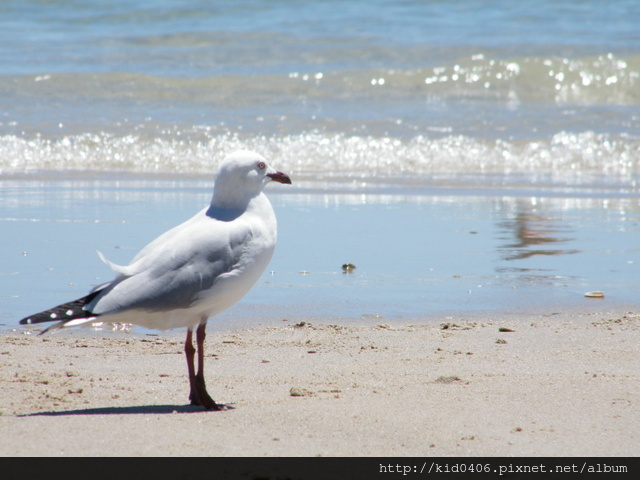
[558, 385]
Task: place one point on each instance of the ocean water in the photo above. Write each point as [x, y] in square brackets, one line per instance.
[466, 156]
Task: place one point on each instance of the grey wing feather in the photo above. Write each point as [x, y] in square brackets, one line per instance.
[174, 269]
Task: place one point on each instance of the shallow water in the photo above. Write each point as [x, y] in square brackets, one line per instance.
[465, 156]
[420, 253]
[545, 90]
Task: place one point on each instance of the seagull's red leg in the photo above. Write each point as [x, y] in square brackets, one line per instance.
[205, 400]
[190, 353]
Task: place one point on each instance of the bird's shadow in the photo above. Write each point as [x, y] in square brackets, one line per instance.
[133, 410]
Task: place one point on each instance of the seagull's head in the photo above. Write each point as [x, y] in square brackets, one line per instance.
[245, 173]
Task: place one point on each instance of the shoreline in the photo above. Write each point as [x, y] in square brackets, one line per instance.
[538, 385]
[439, 252]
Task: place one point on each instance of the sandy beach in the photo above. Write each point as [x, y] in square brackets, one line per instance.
[538, 385]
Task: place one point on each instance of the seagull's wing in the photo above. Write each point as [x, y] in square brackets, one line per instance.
[173, 270]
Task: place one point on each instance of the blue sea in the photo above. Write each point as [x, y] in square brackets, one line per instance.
[468, 157]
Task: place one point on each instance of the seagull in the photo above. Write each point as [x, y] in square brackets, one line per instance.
[193, 271]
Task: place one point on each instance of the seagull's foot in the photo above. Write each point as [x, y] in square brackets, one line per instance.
[206, 402]
[201, 397]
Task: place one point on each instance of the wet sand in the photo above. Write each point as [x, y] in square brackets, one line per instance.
[421, 251]
[550, 385]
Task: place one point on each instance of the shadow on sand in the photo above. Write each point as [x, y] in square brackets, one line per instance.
[141, 409]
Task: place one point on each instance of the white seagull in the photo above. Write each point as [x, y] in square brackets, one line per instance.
[193, 271]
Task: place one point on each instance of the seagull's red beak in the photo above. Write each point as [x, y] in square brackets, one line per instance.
[280, 177]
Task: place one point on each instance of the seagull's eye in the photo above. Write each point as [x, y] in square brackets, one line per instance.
[262, 165]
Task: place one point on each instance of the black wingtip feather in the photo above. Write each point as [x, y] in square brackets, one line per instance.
[65, 311]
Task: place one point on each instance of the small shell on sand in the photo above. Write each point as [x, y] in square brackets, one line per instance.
[594, 294]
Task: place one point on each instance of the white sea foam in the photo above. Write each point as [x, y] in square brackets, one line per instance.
[564, 158]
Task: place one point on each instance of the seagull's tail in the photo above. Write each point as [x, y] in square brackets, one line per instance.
[70, 314]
